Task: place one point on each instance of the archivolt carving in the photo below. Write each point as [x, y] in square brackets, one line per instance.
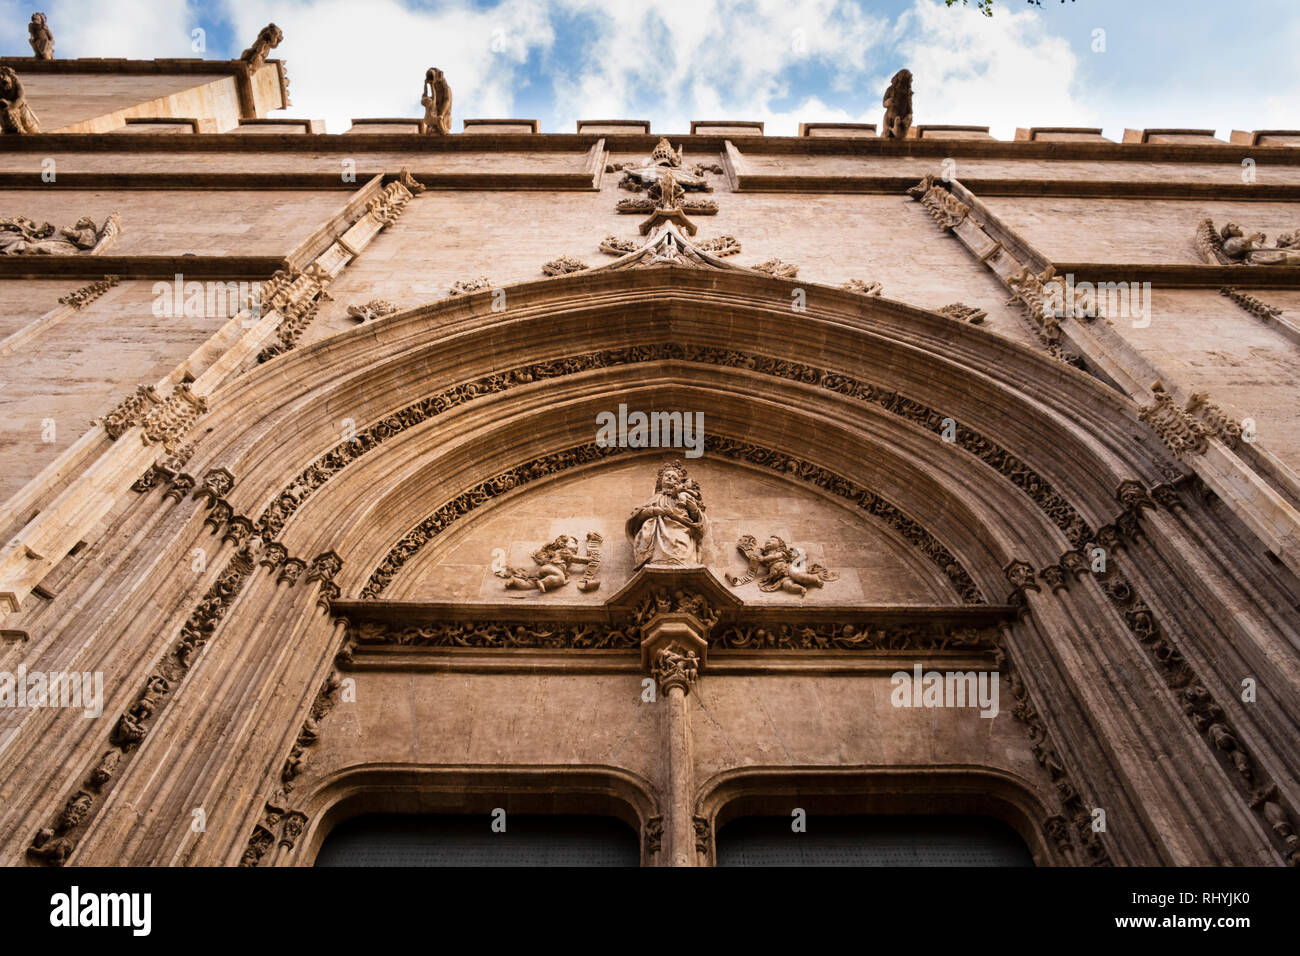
[54, 845]
[1052, 504]
[1205, 713]
[1083, 845]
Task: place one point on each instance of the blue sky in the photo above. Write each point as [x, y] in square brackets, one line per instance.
[1156, 63]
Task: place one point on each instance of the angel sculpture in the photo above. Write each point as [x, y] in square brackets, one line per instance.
[778, 567]
[553, 565]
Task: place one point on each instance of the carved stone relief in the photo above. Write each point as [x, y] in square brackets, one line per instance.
[554, 565]
[1232, 246]
[779, 567]
[21, 236]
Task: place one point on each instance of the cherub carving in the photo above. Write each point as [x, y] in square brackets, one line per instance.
[437, 103]
[554, 562]
[779, 567]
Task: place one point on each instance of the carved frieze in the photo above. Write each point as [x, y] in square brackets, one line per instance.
[854, 636]
[87, 294]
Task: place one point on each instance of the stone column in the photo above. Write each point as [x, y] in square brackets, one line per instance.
[673, 648]
[676, 671]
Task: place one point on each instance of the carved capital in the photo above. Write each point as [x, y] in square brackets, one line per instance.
[291, 571]
[217, 483]
[676, 664]
[324, 567]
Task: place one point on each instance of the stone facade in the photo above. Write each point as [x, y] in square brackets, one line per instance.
[304, 456]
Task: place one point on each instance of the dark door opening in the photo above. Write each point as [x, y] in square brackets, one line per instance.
[468, 840]
[871, 841]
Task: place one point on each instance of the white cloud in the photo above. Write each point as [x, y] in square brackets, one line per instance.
[1002, 71]
[346, 60]
[134, 29]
